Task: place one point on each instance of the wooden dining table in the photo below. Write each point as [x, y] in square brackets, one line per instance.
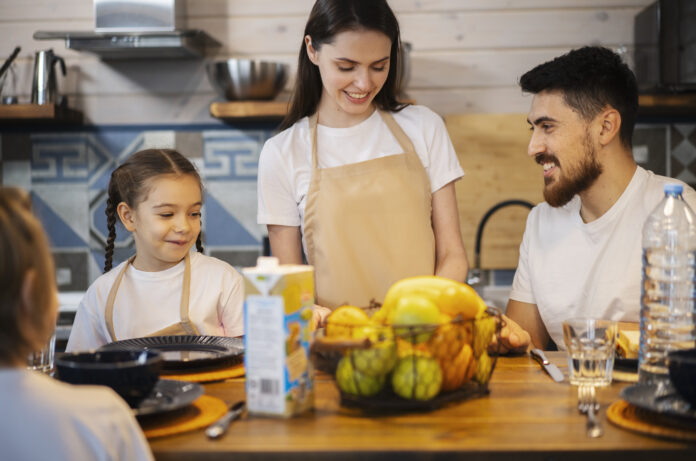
[526, 416]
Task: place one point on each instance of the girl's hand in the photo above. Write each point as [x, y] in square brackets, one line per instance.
[319, 316]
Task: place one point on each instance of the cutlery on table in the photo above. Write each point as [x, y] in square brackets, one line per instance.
[219, 427]
[550, 368]
[587, 404]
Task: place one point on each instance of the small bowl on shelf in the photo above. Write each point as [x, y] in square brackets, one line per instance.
[682, 373]
[247, 79]
[132, 374]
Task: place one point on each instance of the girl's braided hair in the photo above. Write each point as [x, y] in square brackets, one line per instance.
[129, 183]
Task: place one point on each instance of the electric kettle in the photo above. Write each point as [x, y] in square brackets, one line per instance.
[44, 89]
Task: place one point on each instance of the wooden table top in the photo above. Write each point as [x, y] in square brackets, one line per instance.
[526, 416]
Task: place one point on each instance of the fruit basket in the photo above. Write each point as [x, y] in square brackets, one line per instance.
[405, 364]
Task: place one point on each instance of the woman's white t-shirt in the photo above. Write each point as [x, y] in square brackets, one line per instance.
[285, 164]
[147, 302]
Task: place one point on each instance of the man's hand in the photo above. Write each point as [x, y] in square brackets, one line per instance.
[513, 338]
[319, 316]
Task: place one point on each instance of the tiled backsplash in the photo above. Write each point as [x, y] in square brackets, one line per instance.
[67, 172]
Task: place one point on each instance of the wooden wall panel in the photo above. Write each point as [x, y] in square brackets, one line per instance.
[492, 149]
[467, 54]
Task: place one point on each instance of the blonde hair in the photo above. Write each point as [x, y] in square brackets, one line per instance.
[23, 248]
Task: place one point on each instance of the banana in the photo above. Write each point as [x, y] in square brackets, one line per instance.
[451, 297]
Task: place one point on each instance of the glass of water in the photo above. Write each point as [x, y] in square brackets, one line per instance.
[590, 344]
[42, 360]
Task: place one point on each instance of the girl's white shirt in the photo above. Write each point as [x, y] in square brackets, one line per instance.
[147, 302]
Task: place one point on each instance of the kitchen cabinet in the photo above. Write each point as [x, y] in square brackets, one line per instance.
[44, 113]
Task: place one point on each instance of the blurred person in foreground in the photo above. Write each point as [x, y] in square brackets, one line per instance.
[41, 418]
[581, 251]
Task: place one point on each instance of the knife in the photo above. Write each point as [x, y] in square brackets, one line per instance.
[219, 427]
[551, 369]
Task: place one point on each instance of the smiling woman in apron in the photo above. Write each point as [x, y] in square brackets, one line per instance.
[164, 289]
[363, 183]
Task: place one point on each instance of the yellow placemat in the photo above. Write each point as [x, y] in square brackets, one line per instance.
[236, 371]
[627, 416]
[624, 376]
[201, 413]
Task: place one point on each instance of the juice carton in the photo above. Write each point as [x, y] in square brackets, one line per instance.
[277, 338]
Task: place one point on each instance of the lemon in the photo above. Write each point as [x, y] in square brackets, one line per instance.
[417, 377]
[354, 382]
[342, 321]
[380, 357]
[417, 315]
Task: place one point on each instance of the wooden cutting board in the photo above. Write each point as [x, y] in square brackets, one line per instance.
[492, 149]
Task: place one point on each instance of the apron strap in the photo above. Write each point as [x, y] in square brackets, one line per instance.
[186, 323]
[189, 327]
[401, 137]
[109, 312]
[313, 138]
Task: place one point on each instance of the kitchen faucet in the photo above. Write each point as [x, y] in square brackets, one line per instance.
[475, 277]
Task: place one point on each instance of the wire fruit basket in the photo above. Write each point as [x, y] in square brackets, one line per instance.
[415, 367]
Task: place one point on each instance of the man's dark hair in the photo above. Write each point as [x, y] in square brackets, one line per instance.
[590, 79]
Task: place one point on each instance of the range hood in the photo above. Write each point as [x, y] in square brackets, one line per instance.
[127, 29]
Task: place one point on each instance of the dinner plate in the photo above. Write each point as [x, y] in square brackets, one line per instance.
[168, 395]
[671, 404]
[188, 352]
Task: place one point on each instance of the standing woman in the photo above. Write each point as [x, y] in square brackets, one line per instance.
[362, 182]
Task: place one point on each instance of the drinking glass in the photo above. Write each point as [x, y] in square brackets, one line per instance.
[42, 360]
[590, 344]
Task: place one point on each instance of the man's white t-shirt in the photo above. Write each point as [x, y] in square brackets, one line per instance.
[285, 164]
[569, 268]
[41, 418]
[147, 302]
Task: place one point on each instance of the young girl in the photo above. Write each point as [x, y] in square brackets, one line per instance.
[163, 289]
[42, 418]
[362, 182]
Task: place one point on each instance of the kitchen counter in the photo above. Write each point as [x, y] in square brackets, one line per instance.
[527, 416]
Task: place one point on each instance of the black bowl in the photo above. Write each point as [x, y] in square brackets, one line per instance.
[132, 374]
[682, 372]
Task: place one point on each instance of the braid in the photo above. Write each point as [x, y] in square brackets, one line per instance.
[199, 244]
[111, 225]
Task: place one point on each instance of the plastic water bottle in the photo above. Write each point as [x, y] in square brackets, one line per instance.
[667, 295]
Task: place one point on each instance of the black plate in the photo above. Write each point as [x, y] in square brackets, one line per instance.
[628, 365]
[643, 396]
[188, 352]
[168, 395]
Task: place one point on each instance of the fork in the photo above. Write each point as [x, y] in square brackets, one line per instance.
[587, 404]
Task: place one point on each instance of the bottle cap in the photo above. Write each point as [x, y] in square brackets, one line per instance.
[673, 188]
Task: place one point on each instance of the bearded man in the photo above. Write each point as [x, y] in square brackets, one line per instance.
[581, 254]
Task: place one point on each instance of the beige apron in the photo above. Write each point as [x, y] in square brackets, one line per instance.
[184, 327]
[368, 224]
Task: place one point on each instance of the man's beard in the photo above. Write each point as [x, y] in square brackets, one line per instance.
[572, 181]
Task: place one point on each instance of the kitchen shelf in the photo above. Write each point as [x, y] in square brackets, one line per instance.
[25, 113]
[249, 109]
[240, 110]
[682, 104]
